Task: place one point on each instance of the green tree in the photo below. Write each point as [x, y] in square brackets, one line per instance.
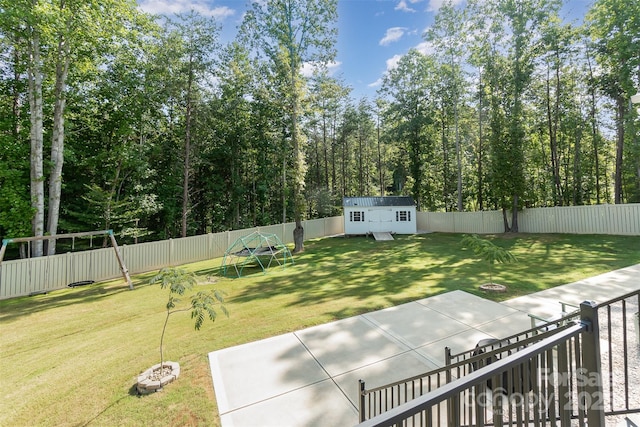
[15, 206]
[447, 34]
[113, 117]
[613, 27]
[291, 33]
[62, 41]
[328, 96]
[509, 64]
[229, 152]
[203, 304]
[408, 89]
[556, 115]
[190, 47]
[488, 251]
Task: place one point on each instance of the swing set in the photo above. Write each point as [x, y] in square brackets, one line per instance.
[73, 236]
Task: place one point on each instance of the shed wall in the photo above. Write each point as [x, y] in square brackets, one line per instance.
[365, 220]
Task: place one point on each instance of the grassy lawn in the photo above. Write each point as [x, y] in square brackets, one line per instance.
[71, 357]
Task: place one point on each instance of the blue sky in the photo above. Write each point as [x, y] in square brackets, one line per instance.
[372, 34]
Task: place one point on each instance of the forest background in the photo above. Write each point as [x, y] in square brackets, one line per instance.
[111, 118]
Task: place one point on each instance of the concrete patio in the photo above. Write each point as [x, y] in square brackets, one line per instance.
[310, 377]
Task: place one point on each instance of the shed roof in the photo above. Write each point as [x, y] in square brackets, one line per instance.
[369, 202]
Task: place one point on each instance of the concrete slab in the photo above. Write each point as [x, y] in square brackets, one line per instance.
[348, 344]
[506, 326]
[467, 308]
[249, 373]
[536, 304]
[597, 288]
[390, 370]
[414, 324]
[318, 405]
[458, 343]
[382, 236]
[310, 377]
[576, 293]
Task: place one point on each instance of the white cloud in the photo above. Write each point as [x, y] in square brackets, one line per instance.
[172, 7]
[435, 5]
[425, 48]
[392, 62]
[392, 35]
[377, 83]
[404, 6]
[308, 68]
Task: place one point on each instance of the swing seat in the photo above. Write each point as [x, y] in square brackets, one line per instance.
[80, 283]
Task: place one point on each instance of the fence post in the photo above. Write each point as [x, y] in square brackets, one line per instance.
[361, 412]
[453, 403]
[592, 365]
[636, 324]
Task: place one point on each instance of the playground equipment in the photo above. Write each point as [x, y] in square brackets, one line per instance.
[258, 250]
[39, 286]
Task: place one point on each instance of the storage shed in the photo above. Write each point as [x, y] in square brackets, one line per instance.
[391, 214]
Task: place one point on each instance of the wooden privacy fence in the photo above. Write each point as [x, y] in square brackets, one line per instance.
[26, 276]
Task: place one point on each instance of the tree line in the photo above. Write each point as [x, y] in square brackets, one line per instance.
[116, 119]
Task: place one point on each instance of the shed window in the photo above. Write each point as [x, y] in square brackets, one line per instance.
[356, 216]
[403, 216]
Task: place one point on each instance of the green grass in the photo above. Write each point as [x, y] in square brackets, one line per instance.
[71, 357]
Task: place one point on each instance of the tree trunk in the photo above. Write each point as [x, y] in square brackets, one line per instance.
[298, 158]
[621, 106]
[480, 145]
[514, 215]
[458, 158]
[57, 143]
[334, 142]
[577, 168]
[505, 220]
[316, 146]
[326, 149]
[298, 232]
[552, 123]
[187, 151]
[445, 162]
[595, 139]
[380, 173]
[594, 130]
[16, 105]
[284, 176]
[298, 237]
[36, 137]
[361, 185]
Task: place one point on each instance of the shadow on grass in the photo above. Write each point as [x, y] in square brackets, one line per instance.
[24, 306]
[413, 267]
[409, 268]
[359, 267]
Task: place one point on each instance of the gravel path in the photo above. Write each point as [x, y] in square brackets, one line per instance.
[620, 377]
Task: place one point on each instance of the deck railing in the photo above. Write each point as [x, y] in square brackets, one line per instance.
[549, 375]
[620, 335]
[378, 400]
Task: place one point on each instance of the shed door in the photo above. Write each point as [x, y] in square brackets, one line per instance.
[380, 220]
